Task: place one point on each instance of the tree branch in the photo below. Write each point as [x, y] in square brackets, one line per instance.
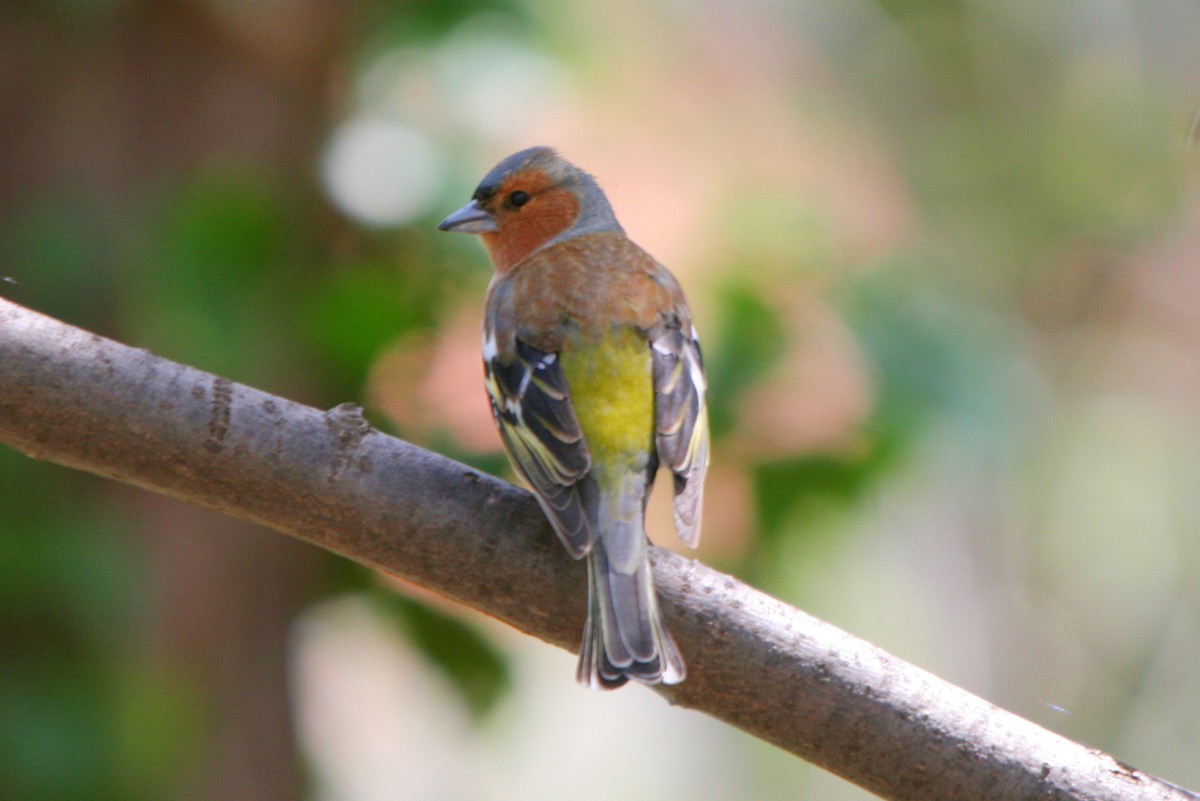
[80, 400]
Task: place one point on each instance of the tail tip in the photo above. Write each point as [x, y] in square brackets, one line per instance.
[601, 674]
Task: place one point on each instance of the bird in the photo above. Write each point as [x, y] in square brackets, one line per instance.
[595, 377]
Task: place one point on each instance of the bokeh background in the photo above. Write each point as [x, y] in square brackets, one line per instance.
[943, 257]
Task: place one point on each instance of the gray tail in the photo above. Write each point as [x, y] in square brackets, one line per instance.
[625, 637]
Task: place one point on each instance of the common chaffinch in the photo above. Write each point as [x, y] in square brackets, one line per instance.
[595, 377]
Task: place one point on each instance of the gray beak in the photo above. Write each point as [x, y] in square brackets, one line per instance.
[470, 219]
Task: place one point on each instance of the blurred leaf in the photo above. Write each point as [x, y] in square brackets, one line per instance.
[60, 260]
[217, 282]
[477, 670]
[749, 340]
[386, 24]
[364, 307]
[793, 500]
[937, 356]
[159, 730]
[783, 489]
[51, 719]
[71, 593]
[71, 564]
[366, 304]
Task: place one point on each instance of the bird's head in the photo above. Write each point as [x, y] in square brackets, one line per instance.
[529, 200]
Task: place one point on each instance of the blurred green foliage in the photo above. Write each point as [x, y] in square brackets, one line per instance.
[222, 234]
[61, 239]
[749, 340]
[936, 357]
[70, 607]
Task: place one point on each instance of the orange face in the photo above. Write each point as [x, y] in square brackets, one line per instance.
[529, 210]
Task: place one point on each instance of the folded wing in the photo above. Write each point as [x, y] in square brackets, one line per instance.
[681, 421]
[541, 433]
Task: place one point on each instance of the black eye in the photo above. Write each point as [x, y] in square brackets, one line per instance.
[518, 199]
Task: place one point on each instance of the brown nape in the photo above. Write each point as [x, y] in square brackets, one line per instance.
[549, 212]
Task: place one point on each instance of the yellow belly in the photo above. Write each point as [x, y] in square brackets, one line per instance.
[612, 391]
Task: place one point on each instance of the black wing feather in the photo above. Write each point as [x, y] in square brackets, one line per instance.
[532, 409]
